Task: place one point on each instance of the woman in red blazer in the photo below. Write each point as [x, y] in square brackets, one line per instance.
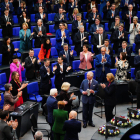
[86, 58]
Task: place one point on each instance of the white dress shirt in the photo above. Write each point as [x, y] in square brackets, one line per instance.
[41, 15]
[46, 69]
[61, 66]
[99, 40]
[62, 32]
[86, 56]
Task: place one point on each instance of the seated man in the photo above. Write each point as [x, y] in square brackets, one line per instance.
[98, 39]
[67, 55]
[95, 27]
[59, 17]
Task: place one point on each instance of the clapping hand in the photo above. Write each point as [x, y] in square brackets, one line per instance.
[64, 55]
[54, 68]
[65, 102]
[64, 34]
[92, 54]
[32, 33]
[71, 52]
[103, 85]
[61, 69]
[71, 94]
[23, 64]
[83, 38]
[6, 107]
[38, 61]
[33, 61]
[68, 68]
[91, 91]
[84, 93]
[19, 94]
[48, 70]
[16, 49]
[44, 16]
[18, 65]
[15, 124]
[116, 59]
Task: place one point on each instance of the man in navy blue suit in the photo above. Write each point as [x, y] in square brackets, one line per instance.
[94, 27]
[137, 62]
[41, 15]
[6, 5]
[102, 63]
[67, 55]
[72, 127]
[88, 88]
[51, 105]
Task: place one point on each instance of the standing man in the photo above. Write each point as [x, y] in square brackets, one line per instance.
[137, 62]
[37, 5]
[72, 127]
[88, 88]
[39, 34]
[103, 64]
[31, 64]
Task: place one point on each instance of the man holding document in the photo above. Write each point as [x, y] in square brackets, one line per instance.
[88, 88]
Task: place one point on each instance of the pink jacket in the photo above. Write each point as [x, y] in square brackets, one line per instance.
[13, 68]
[85, 63]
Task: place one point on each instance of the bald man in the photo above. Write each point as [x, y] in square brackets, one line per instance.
[102, 64]
[72, 127]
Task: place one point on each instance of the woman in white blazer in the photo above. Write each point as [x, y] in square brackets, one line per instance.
[133, 30]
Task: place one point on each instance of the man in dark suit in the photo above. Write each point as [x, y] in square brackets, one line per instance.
[59, 17]
[6, 24]
[79, 39]
[67, 55]
[92, 16]
[98, 39]
[137, 41]
[128, 17]
[112, 14]
[94, 27]
[137, 62]
[41, 15]
[39, 34]
[118, 37]
[51, 105]
[6, 5]
[76, 24]
[7, 129]
[103, 64]
[40, 3]
[88, 89]
[60, 71]
[31, 64]
[72, 127]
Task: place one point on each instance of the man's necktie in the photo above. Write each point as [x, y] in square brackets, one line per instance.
[82, 40]
[103, 68]
[89, 84]
[101, 39]
[67, 55]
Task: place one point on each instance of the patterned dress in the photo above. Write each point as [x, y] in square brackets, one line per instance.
[121, 73]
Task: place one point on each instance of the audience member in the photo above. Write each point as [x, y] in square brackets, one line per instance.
[103, 3]
[37, 5]
[137, 41]
[24, 34]
[134, 29]
[45, 49]
[72, 127]
[102, 63]
[41, 15]
[106, 9]
[51, 105]
[6, 24]
[118, 37]
[60, 71]
[98, 39]
[110, 96]
[16, 66]
[60, 116]
[67, 55]
[60, 5]
[6, 5]
[38, 135]
[39, 34]
[24, 19]
[7, 129]
[59, 17]
[21, 9]
[31, 65]
[128, 17]
[9, 98]
[80, 39]
[122, 66]
[73, 16]
[88, 89]
[137, 62]
[66, 97]
[95, 27]
[17, 87]
[92, 16]
[62, 36]
[86, 58]
[7, 51]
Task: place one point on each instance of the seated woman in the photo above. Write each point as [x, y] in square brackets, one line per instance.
[86, 58]
[122, 66]
[60, 5]
[24, 19]
[17, 87]
[73, 16]
[45, 49]
[9, 98]
[21, 9]
[24, 34]
[7, 51]
[16, 66]
[64, 96]
[60, 116]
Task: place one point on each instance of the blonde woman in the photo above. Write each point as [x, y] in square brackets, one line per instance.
[64, 96]
[75, 12]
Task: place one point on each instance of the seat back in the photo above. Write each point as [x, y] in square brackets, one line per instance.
[3, 79]
[138, 14]
[23, 75]
[94, 66]
[33, 43]
[132, 73]
[75, 65]
[16, 44]
[67, 16]
[54, 53]
[51, 16]
[70, 27]
[84, 7]
[51, 29]
[113, 71]
[16, 31]
[87, 26]
[32, 27]
[53, 41]
[36, 52]
[32, 17]
[133, 48]
[1, 33]
[0, 59]
[2, 101]
[15, 19]
[74, 52]
[84, 15]
[52, 81]
[33, 88]
[106, 27]
[70, 41]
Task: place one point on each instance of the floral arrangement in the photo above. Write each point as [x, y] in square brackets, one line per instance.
[111, 132]
[135, 115]
[122, 124]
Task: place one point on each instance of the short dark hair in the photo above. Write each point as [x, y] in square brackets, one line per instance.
[123, 55]
[65, 44]
[41, 6]
[62, 23]
[7, 86]
[61, 8]
[61, 104]
[60, 57]
[118, 17]
[97, 18]
[46, 59]
[4, 114]
[5, 39]
[107, 40]
[31, 50]
[86, 45]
